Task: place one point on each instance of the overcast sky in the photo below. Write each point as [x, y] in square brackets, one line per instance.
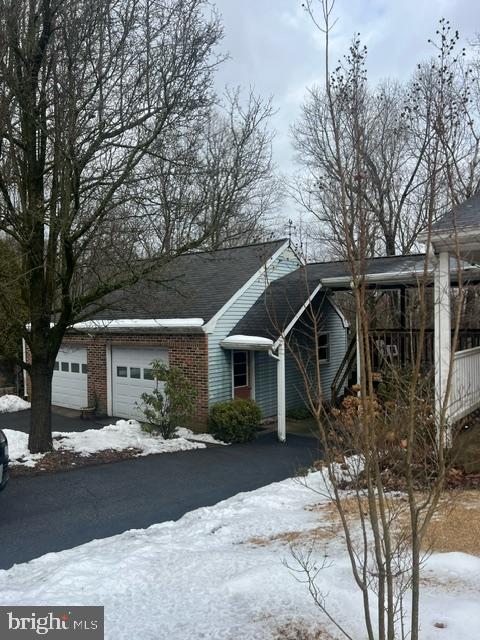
[275, 48]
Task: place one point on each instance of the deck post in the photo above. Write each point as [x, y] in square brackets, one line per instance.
[281, 407]
[442, 338]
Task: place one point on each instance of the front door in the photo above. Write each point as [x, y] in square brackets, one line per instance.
[241, 375]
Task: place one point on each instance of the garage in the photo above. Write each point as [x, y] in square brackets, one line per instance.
[69, 385]
[132, 376]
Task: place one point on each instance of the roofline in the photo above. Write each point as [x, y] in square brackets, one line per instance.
[394, 276]
[296, 317]
[446, 234]
[239, 246]
[209, 326]
[375, 277]
[402, 255]
[339, 312]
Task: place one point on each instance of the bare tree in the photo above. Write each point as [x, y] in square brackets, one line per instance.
[91, 92]
[393, 432]
[398, 141]
[222, 170]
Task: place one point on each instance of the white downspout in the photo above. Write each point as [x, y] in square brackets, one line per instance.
[281, 409]
[443, 339]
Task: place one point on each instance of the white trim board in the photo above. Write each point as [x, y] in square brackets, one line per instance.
[209, 326]
[294, 320]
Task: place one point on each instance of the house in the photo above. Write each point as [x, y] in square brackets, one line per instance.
[206, 313]
[226, 317]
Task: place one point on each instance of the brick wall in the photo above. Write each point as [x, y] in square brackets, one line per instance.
[188, 352]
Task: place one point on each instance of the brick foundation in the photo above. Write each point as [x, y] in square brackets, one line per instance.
[188, 352]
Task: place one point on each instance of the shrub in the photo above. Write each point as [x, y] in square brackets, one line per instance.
[298, 413]
[170, 404]
[235, 420]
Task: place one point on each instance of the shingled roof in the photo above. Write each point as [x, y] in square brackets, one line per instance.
[194, 285]
[285, 297]
[465, 216]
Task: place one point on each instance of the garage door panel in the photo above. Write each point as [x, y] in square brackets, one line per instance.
[132, 376]
[69, 385]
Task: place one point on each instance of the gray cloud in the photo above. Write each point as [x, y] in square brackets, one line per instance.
[275, 48]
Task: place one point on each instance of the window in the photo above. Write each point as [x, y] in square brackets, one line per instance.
[135, 373]
[75, 367]
[240, 369]
[64, 366]
[84, 368]
[324, 347]
[122, 372]
[148, 374]
[56, 366]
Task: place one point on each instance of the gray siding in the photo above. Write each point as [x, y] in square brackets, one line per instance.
[219, 360]
[338, 347]
[266, 369]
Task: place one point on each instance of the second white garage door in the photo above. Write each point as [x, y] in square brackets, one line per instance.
[69, 385]
[132, 376]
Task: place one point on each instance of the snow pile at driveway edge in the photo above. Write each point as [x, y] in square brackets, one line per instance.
[121, 436]
[10, 403]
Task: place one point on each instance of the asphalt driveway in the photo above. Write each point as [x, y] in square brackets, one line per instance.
[58, 511]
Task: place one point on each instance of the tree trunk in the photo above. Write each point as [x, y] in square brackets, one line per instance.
[40, 438]
[390, 248]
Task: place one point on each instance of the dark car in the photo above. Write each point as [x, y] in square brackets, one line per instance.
[3, 460]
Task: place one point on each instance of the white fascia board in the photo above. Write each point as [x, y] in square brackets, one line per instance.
[209, 327]
[339, 313]
[247, 343]
[135, 323]
[375, 277]
[401, 276]
[294, 320]
[446, 234]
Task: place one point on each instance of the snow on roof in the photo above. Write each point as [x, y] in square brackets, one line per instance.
[137, 323]
[247, 342]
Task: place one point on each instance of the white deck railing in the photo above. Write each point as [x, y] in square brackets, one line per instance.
[465, 390]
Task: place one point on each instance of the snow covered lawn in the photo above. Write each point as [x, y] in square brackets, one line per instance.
[219, 573]
[121, 436]
[10, 403]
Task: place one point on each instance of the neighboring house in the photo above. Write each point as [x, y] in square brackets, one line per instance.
[208, 315]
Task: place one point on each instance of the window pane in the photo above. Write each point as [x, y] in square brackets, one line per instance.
[84, 368]
[75, 367]
[55, 366]
[239, 357]
[122, 372]
[240, 368]
[64, 366]
[240, 380]
[135, 372]
[148, 374]
[324, 347]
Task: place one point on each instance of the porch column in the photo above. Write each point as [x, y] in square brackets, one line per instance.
[281, 411]
[442, 338]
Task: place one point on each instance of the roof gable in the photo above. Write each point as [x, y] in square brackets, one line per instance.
[464, 216]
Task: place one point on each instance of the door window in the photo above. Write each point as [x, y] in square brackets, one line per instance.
[240, 369]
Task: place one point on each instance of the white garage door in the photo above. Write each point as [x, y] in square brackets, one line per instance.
[69, 387]
[132, 376]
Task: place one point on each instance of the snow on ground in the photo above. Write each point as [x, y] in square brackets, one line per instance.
[18, 449]
[124, 434]
[209, 576]
[9, 403]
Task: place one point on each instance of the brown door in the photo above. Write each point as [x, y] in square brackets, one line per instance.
[241, 375]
